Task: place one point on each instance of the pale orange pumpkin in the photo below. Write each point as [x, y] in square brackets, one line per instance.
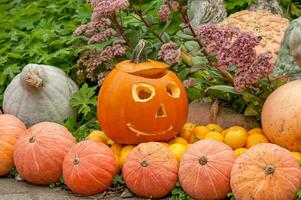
[266, 172]
[39, 153]
[150, 170]
[11, 128]
[89, 168]
[140, 102]
[281, 117]
[205, 169]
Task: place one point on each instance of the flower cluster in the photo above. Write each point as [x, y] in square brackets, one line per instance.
[235, 48]
[100, 30]
[169, 53]
[165, 9]
[107, 7]
[189, 82]
[93, 59]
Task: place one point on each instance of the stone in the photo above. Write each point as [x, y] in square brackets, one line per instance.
[269, 5]
[200, 113]
[206, 11]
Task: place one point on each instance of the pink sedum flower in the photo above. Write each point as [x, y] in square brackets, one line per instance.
[235, 48]
[164, 13]
[102, 36]
[169, 54]
[189, 82]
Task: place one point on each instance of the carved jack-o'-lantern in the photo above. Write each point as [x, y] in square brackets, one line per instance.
[140, 102]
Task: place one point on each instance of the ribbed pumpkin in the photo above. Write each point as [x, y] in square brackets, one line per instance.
[150, 170]
[269, 27]
[89, 168]
[141, 101]
[281, 116]
[205, 169]
[39, 154]
[11, 128]
[11, 125]
[39, 93]
[266, 172]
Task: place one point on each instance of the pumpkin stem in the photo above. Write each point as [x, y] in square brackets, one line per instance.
[203, 160]
[76, 161]
[32, 79]
[32, 139]
[144, 163]
[270, 169]
[139, 53]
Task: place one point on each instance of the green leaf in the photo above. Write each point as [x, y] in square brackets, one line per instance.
[84, 100]
[251, 110]
[118, 180]
[191, 46]
[193, 93]
[199, 60]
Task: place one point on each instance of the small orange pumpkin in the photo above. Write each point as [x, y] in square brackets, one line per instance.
[141, 102]
[266, 171]
[89, 168]
[205, 169]
[39, 153]
[11, 128]
[150, 170]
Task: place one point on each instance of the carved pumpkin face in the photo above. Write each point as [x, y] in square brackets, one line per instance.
[142, 102]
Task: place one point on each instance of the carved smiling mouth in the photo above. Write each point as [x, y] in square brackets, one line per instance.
[139, 133]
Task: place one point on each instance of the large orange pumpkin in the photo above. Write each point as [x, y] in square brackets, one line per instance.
[150, 170]
[140, 102]
[11, 128]
[266, 172]
[281, 116]
[89, 168]
[7, 143]
[39, 154]
[205, 169]
[10, 124]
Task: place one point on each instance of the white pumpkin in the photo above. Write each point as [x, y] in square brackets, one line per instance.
[39, 93]
[295, 41]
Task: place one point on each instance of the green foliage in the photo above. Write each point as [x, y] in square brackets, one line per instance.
[292, 8]
[85, 100]
[233, 6]
[38, 32]
[12, 174]
[230, 196]
[179, 194]
[118, 180]
[299, 194]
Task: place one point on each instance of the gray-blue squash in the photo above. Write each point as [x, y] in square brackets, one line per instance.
[40, 93]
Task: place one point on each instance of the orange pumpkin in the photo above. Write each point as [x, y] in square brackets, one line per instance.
[39, 153]
[266, 171]
[150, 170]
[7, 143]
[10, 130]
[10, 124]
[205, 169]
[140, 102]
[89, 168]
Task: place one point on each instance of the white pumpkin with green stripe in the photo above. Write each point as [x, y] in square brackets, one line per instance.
[40, 93]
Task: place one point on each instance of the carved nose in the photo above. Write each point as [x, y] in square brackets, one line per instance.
[161, 112]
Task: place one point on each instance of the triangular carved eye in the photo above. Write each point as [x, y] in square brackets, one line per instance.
[143, 92]
[173, 89]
